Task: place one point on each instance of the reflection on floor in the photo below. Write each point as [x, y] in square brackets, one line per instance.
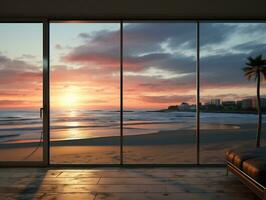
[116, 183]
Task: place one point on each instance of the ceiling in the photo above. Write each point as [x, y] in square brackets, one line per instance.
[133, 9]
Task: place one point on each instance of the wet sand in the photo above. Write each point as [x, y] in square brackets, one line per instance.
[163, 147]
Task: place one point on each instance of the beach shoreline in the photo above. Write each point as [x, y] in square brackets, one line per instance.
[168, 146]
[154, 138]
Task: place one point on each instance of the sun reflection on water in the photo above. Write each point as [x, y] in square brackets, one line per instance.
[73, 124]
[73, 130]
[74, 133]
[72, 113]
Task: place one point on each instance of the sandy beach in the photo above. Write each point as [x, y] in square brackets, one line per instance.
[163, 147]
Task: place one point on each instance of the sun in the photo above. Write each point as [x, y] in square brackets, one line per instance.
[69, 97]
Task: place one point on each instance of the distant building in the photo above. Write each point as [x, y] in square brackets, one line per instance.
[246, 104]
[255, 104]
[239, 103]
[228, 103]
[216, 102]
[192, 107]
[184, 106]
[263, 103]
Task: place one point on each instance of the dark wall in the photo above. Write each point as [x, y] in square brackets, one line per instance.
[134, 9]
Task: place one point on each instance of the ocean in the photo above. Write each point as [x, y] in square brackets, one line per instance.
[26, 126]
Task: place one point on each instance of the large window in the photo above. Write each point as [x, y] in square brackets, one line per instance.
[125, 92]
[20, 91]
[159, 93]
[228, 98]
[85, 93]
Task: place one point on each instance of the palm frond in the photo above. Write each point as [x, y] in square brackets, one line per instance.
[263, 72]
[248, 68]
[250, 74]
[254, 67]
[258, 58]
[250, 59]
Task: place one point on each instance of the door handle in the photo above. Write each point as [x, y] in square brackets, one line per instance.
[41, 113]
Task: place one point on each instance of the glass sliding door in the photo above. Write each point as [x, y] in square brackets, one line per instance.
[228, 103]
[159, 93]
[21, 71]
[85, 93]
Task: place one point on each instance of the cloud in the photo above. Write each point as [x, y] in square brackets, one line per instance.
[20, 83]
[141, 38]
[84, 35]
[87, 74]
[27, 56]
[164, 61]
[18, 103]
[100, 48]
[15, 64]
[252, 48]
[156, 73]
[10, 93]
[215, 33]
[226, 69]
[103, 47]
[58, 46]
[140, 85]
[14, 71]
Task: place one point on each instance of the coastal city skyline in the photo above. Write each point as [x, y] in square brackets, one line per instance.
[246, 104]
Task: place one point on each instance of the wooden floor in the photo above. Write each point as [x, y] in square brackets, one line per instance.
[124, 184]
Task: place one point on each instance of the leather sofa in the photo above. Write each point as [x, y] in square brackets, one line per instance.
[250, 166]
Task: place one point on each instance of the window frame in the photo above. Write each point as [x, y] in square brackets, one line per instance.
[46, 91]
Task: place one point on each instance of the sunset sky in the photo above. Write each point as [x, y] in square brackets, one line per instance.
[20, 65]
[159, 63]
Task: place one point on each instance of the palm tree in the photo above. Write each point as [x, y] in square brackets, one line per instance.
[255, 67]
